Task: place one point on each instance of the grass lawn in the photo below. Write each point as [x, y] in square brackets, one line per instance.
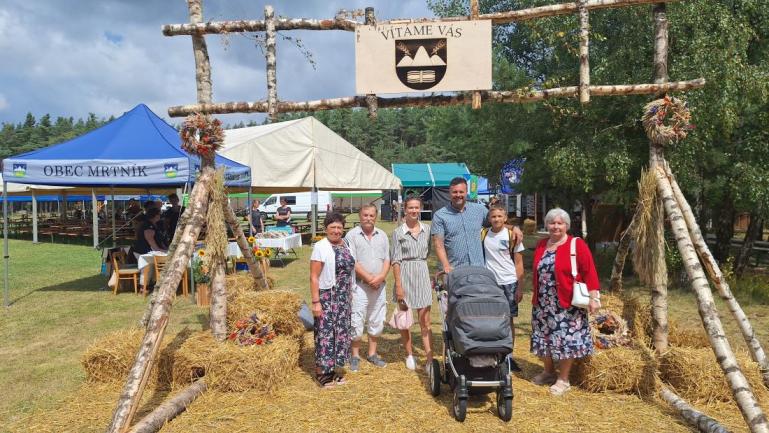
[60, 305]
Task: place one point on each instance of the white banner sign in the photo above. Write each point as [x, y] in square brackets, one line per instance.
[423, 57]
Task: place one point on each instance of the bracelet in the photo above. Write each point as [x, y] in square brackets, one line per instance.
[316, 302]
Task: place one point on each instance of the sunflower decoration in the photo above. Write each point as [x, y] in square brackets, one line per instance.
[259, 253]
[251, 240]
[268, 252]
[251, 331]
[666, 120]
[201, 253]
[201, 135]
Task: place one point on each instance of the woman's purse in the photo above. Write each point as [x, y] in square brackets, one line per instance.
[580, 297]
[401, 319]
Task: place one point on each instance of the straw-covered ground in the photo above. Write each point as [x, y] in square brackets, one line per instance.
[270, 388]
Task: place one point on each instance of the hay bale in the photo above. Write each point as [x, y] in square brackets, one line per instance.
[239, 283]
[619, 369]
[243, 281]
[232, 368]
[110, 358]
[687, 337]
[697, 377]
[278, 308]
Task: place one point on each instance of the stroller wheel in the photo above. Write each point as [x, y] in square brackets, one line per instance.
[435, 378]
[504, 407]
[459, 406]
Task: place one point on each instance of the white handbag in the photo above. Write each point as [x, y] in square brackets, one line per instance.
[580, 297]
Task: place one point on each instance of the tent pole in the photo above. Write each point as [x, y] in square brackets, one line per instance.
[6, 258]
[63, 207]
[314, 202]
[400, 205]
[114, 232]
[94, 218]
[34, 217]
[248, 210]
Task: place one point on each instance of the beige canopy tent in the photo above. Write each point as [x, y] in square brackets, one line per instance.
[302, 155]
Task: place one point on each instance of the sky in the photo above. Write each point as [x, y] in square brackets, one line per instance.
[75, 57]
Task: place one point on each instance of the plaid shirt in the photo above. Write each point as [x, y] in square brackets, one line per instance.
[461, 233]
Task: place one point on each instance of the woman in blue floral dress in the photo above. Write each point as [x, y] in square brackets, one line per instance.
[559, 330]
[332, 272]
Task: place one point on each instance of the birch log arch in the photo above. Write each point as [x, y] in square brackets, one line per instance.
[687, 233]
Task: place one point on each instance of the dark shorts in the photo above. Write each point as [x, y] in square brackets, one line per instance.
[510, 290]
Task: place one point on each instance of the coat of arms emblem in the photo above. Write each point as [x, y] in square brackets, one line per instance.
[420, 63]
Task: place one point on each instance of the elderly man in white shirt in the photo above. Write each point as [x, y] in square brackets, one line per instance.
[371, 247]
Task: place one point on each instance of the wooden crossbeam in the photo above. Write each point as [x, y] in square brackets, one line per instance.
[506, 96]
[241, 26]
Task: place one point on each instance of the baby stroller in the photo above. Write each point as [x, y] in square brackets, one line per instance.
[476, 339]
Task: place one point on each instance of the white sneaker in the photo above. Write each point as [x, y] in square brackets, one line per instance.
[411, 364]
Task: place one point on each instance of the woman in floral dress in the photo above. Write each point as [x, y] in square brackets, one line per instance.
[559, 330]
[332, 274]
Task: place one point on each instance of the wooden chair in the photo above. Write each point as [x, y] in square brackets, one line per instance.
[118, 260]
[160, 263]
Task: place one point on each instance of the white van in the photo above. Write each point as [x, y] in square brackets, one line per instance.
[299, 202]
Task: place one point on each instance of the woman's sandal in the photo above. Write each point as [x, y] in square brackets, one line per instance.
[326, 380]
[560, 387]
[339, 380]
[544, 378]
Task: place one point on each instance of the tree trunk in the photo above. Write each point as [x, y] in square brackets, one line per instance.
[714, 272]
[702, 422]
[588, 221]
[659, 277]
[724, 220]
[755, 229]
[517, 96]
[743, 395]
[145, 358]
[245, 248]
[623, 247]
[170, 409]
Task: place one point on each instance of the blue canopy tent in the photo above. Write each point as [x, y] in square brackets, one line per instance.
[136, 150]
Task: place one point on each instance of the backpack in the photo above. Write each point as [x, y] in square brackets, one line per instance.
[485, 232]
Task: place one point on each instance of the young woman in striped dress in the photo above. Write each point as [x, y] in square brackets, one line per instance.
[410, 247]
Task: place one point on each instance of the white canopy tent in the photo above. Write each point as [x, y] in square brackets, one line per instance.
[302, 155]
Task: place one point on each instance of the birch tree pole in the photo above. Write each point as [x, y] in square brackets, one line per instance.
[659, 277]
[145, 358]
[743, 395]
[714, 272]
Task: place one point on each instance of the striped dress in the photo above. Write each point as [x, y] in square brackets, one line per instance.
[411, 254]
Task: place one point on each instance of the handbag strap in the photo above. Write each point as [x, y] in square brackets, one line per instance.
[573, 253]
